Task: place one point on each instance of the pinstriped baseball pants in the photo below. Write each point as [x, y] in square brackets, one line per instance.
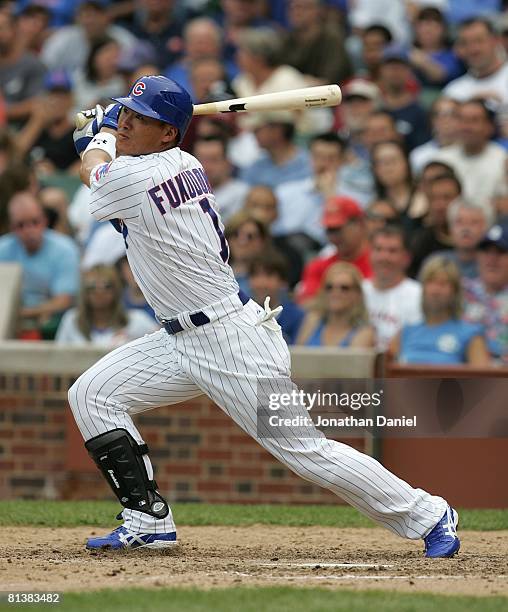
[225, 359]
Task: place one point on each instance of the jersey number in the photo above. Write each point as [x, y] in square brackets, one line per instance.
[206, 208]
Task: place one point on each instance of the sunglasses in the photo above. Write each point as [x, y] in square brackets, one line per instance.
[26, 223]
[99, 286]
[341, 287]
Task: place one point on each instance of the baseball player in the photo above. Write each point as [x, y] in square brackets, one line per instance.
[214, 340]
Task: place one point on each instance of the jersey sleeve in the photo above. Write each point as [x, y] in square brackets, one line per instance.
[117, 188]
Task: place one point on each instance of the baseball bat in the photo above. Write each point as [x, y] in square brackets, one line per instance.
[293, 99]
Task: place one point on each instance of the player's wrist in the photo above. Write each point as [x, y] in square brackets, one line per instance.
[105, 141]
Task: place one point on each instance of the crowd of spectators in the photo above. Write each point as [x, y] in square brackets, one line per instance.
[379, 223]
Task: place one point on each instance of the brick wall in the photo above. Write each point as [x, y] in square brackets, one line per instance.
[199, 454]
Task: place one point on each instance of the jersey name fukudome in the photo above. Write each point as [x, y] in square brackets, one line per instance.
[165, 208]
[185, 186]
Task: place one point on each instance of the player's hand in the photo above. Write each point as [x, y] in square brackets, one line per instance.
[88, 124]
[111, 115]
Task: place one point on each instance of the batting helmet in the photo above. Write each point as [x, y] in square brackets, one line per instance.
[160, 98]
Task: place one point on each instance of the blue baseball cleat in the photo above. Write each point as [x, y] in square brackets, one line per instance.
[122, 538]
[443, 541]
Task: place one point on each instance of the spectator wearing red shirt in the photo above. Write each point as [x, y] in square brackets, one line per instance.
[344, 222]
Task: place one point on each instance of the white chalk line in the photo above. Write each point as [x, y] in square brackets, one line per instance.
[317, 564]
[351, 577]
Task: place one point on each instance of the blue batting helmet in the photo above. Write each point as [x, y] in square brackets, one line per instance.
[160, 98]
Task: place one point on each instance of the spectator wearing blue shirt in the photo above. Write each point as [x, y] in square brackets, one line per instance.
[159, 24]
[443, 338]
[50, 263]
[301, 203]
[338, 316]
[434, 61]
[202, 38]
[395, 74]
[268, 277]
[283, 160]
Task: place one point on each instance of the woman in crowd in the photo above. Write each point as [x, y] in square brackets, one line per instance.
[132, 296]
[247, 238]
[434, 61]
[339, 316]
[100, 79]
[394, 182]
[100, 317]
[442, 338]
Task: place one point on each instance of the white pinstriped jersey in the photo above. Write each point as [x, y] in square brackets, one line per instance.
[165, 207]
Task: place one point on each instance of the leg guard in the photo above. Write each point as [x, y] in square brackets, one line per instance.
[120, 458]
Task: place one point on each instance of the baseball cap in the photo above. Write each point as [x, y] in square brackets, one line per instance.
[360, 88]
[497, 235]
[58, 80]
[339, 210]
[395, 52]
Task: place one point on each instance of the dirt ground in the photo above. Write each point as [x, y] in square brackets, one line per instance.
[42, 559]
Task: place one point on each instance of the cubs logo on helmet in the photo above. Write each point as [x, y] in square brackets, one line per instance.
[138, 88]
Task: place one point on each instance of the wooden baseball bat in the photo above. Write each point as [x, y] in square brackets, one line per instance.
[294, 99]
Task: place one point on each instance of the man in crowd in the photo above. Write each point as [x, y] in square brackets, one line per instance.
[375, 38]
[346, 231]
[229, 192]
[379, 127]
[479, 46]
[433, 234]
[21, 73]
[156, 22]
[479, 163]
[261, 203]
[486, 298]
[394, 75]
[50, 263]
[313, 46]
[360, 99]
[300, 203]
[468, 224]
[392, 299]
[283, 160]
[444, 117]
[202, 39]
[269, 276]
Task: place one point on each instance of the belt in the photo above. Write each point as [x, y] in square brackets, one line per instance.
[173, 326]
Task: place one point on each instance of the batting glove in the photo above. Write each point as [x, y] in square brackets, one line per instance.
[88, 124]
[111, 115]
